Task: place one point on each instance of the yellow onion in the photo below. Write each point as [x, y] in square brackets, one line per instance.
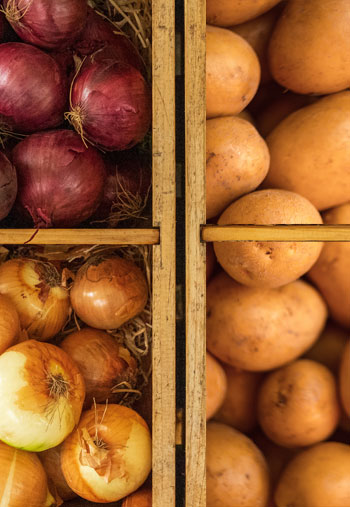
[41, 395]
[109, 455]
[108, 292]
[35, 289]
[51, 460]
[10, 329]
[23, 480]
[141, 498]
[103, 362]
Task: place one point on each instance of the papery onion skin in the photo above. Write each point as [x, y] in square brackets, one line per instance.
[141, 498]
[115, 468]
[10, 328]
[33, 92]
[106, 293]
[103, 362]
[51, 460]
[35, 290]
[8, 186]
[22, 478]
[60, 181]
[41, 395]
[47, 23]
[111, 102]
[98, 33]
[129, 178]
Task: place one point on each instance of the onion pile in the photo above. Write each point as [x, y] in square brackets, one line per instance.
[63, 62]
[60, 180]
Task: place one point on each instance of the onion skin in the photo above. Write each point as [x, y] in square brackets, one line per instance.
[141, 498]
[60, 181]
[103, 363]
[10, 328]
[22, 479]
[118, 467]
[98, 33]
[107, 293]
[47, 23]
[33, 287]
[111, 101]
[51, 460]
[8, 185]
[128, 176]
[33, 91]
[41, 395]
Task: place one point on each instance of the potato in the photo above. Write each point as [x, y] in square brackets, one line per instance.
[298, 404]
[257, 33]
[310, 47]
[260, 329]
[246, 115]
[232, 72]
[227, 12]
[268, 264]
[317, 477]
[237, 473]
[328, 349]
[331, 273]
[237, 161]
[310, 152]
[216, 384]
[239, 405]
[344, 379]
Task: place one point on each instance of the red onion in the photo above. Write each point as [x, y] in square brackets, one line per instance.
[128, 179]
[8, 186]
[98, 33]
[47, 23]
[33, 92]
[110, 102]
[60, 181]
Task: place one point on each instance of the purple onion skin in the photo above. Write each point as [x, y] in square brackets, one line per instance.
[49, 23]
[126, 171]
[8, 186]
[60, 181]
[99, 33]
[114, 102]
[33, 90]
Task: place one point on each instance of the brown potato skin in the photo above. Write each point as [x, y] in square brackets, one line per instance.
[237, 472]
[232, 72]
[227, 13]
[344, 379]
[317, 477]
[257, 33]
[310, 152]
[239, 405]
[329, 347]
[309, 47]
[331, 272]
[268, 264]
[298, 404]
[237, 161]
[216, 385]
[260, 329]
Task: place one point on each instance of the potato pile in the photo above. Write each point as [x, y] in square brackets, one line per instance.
[278, 313]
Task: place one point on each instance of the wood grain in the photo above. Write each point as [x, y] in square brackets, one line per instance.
[164, 412]
[195, 118]
[80, 236]
[276, 233]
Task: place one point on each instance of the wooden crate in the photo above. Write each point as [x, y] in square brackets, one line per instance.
[197, 234]
[162, 237]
